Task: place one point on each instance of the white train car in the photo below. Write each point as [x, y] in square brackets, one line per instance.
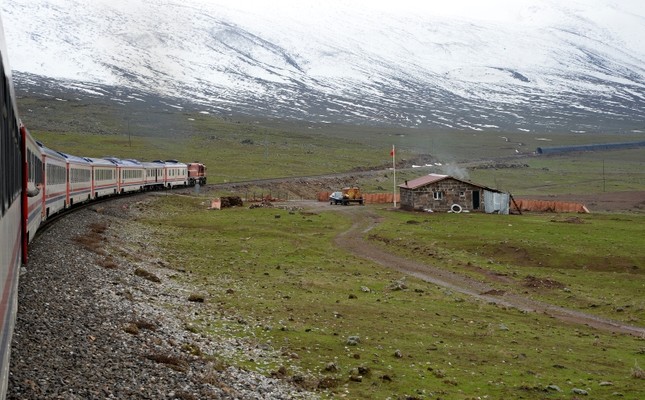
[176, 174]
[12, 198]
[129, 175]
[55, 182]
[154, 175]
[104, 177]
[35, 184]
[79, 179]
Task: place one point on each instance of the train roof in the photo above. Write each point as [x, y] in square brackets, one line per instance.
[124, 163]
[99, 161]
[175, 162]
[49, 152]
[152, 164]
[71, 158]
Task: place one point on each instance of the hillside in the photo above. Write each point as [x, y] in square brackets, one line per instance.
[522, 66]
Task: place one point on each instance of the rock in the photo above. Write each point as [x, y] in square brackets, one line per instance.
[147, 275]
[398, 285]
[581, 392]
[554, 388]
[196, 298]
[331, 367]
[353, 340]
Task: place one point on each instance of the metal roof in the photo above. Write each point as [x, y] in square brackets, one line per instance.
[422, 181]
[433, 178]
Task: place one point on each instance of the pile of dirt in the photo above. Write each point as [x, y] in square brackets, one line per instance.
[537, 283]
[231, 201]
[569, 220]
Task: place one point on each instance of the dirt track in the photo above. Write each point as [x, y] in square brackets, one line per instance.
[365, 219]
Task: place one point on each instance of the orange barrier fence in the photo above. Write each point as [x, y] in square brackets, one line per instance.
[368, 198]
[547, 206]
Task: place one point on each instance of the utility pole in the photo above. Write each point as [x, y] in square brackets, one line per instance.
[393, 154]
[603, 174]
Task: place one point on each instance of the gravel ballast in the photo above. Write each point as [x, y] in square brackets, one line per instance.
[89, 326]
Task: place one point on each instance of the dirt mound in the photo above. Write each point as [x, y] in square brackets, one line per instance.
[537, 283]
[569, 220]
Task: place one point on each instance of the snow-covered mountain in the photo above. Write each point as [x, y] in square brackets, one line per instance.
[529, 65]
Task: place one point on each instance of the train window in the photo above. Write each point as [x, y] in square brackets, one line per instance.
[78, 175]
[3, 166]
[132, 174]
[4, 153]
[56, 174]
[10, 160]
[35, 168]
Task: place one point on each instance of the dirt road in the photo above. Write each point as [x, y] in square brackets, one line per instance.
[364, 219]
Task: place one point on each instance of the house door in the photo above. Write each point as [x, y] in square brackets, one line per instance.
[476, 200]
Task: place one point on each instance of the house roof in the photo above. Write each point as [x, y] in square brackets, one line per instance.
[423, 181]
[433, 178]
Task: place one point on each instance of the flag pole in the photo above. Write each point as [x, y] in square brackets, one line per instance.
[394, 181]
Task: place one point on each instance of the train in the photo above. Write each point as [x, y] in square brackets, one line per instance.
[37, 183]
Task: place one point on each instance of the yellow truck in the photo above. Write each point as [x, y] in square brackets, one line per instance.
[346, 196]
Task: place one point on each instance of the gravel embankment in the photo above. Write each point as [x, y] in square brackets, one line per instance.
[90, 327]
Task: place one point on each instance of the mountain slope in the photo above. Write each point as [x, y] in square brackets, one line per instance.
[524, 65]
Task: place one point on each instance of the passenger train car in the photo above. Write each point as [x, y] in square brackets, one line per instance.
[37, 182]
[11, 210]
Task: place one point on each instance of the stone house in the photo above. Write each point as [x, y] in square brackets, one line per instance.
[444, 193]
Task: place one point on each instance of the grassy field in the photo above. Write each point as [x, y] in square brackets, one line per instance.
[590, 262]
[245, 150]
[232, 157]
[343, 326]
[339, 323]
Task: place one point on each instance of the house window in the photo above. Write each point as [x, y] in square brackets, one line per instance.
[462, 194]
[437, 195]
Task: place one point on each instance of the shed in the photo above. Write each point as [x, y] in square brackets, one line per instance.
[445, 193]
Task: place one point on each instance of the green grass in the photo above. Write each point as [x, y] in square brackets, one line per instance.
[274, 277]
[245, 149]
[592, 172]
[597, 258]
[242, 152]
[279, 282]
